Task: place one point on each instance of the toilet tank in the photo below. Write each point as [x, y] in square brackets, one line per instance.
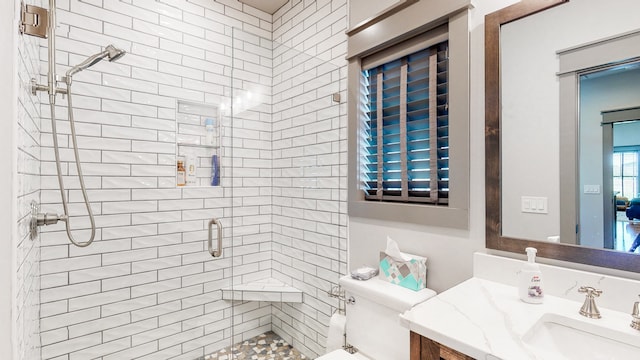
[373, 325]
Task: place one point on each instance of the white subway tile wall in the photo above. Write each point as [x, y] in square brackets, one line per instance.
[309, 166]
[147, 288]
[27, 251]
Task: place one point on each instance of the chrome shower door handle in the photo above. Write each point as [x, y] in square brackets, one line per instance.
[217, 252]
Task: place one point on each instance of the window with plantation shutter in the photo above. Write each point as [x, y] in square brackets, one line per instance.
[408, 115]
[405, 150]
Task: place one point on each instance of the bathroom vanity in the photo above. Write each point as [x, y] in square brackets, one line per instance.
[423, 348]
[483, 317]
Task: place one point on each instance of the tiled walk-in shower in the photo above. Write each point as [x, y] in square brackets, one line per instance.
[147, 288]
[267, 346]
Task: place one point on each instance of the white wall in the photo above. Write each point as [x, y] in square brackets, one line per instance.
[627, 134]
[613, 91]
[361, 10]
[530, 102]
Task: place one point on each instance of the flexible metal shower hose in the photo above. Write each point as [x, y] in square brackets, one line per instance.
[66, 217]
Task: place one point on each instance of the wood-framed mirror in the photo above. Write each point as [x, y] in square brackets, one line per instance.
[493, 155]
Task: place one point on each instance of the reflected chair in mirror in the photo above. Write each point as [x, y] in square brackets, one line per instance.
[621, 203]
[633, 211]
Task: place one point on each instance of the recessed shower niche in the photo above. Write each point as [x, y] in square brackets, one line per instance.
[198, 144]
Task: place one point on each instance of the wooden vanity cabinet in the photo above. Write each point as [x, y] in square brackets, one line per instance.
[423, 348]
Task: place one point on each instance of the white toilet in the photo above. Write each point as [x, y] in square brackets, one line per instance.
[373, 325]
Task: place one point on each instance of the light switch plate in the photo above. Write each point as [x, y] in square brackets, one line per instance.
[534, 205]
[592, 189]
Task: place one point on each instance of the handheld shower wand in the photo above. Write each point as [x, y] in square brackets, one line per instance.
[112, 54]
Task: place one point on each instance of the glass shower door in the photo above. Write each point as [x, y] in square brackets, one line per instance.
[289, 195]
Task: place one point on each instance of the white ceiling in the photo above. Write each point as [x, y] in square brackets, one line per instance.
[268, 6]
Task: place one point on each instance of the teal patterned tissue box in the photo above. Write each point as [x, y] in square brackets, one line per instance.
[410, 274]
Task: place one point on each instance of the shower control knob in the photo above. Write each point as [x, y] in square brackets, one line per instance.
[39, 219]
[47, 219]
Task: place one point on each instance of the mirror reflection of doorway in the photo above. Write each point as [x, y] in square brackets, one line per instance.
[609, 137]
[621, 146]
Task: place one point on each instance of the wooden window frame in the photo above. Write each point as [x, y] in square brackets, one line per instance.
[455, 14]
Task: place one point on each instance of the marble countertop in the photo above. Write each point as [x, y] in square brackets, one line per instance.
[487, 320]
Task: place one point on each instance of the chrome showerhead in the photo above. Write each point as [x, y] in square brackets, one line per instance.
[111, 52]
[114, 53]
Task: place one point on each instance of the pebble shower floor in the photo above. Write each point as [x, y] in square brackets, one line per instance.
[267, 346]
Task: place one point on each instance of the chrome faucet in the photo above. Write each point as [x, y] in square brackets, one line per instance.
[635, 323]
[589, 308]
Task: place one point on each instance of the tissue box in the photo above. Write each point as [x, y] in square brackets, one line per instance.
[410, 274]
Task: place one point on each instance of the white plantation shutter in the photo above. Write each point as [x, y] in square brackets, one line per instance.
[405, 150]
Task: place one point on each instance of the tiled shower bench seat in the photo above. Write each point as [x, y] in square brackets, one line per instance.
[263, 290]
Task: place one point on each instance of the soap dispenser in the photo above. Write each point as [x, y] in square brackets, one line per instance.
[530, 279]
